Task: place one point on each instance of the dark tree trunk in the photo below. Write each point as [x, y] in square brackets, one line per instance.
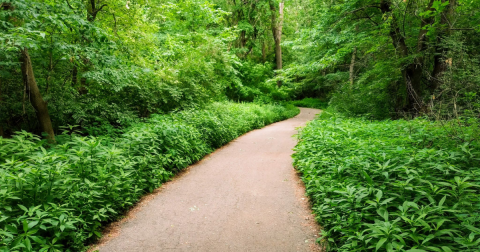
[35, 97]
[74, 76]
[1, 101]
[264, 52]
[243, 39]
[412, 74]
[277, 26]
[352, 67]
[92, 10]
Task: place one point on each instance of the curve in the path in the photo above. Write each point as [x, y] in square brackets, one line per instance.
[243, 197]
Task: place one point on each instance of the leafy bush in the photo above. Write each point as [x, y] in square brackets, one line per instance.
[57, 198]
[152, 57]
[310, 103]
[393, 185]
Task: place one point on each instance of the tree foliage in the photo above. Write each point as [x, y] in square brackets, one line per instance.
[413, 56]
[123, 63]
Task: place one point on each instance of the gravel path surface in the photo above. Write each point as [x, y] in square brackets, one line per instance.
[245, 196]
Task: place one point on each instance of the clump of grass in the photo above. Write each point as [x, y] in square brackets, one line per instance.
[392, 185]
[57, 198]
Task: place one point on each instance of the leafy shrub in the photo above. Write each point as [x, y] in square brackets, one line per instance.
[57, 198]
[310, 103]
[393, 185]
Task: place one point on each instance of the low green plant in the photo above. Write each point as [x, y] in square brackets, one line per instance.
[310, 103]
[393, 185]
[57, 198]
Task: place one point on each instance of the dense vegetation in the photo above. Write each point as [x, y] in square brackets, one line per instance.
[393, 185]
[310, 103]
[405, 185]
[388, 58]
[126, 93]
[56, 199]
[113, 62]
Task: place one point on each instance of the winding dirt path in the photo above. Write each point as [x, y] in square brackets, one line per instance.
[245, 196]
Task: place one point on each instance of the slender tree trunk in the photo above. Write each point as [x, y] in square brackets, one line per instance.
[74, 76]
[264, 52]
[243, 40]
[352, 67]
[92, 10]
[1, 101]
[277, 26]
[35, 97]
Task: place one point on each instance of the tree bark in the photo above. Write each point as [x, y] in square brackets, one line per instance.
[277, 26]
[92, 10]
[243, 39]
[1, 101]
[264, 52]
[412, 73]
[35, 97]
[74, 76]
[352, 67]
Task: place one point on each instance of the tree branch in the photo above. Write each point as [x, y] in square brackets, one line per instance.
[70, 5]
[367, 17]
[462, 29]
[99, 9]
[351, 12]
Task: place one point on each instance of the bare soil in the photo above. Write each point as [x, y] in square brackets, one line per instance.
[245, 196]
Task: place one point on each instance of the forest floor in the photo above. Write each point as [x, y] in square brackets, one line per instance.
[246, 196]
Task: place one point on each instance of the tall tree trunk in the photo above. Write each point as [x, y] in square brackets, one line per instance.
[243, 39]
[35, 97]
[92, 10]
[412, 74]
[264, 52]
[352, 67]
[74, 76]
[277, 26]
[1, 101]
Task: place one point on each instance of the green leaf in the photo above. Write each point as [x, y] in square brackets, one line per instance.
[32, 224]
[28, 244]
[25, 226]
[446, 249]
[428, 238]
[383, 212]
[379, 195]
[380, 243]
[440, 204]
[369, 180]
[23, 208]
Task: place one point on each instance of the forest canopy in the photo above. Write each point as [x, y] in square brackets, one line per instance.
[114, 62]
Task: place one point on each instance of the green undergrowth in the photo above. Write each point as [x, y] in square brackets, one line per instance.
[310, 103]
[58, 198]
[393, 185]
